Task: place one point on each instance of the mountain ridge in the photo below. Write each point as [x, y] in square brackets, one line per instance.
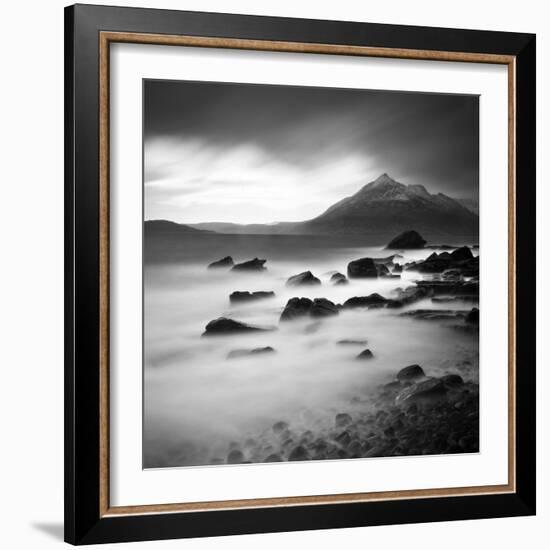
[382, 206]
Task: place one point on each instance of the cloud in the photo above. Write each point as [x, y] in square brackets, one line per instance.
[257, 153]
[193, 181]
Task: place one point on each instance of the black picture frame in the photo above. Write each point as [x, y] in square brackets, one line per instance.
[84, 524]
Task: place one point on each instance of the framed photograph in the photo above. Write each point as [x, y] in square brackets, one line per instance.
[300, 274]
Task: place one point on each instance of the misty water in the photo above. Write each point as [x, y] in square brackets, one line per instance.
[197, 402]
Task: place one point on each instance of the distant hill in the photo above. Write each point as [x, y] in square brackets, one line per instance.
[165, 226]
[383, 207]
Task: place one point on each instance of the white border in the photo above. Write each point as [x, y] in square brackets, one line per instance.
[129, 484]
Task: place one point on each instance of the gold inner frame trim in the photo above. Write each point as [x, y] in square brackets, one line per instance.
[105, 39]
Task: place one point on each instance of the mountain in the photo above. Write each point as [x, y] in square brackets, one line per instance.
[471, 204]
[156, 227]
[382, 208]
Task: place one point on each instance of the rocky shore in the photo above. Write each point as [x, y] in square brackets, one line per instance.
[414, 411]
[413, 414]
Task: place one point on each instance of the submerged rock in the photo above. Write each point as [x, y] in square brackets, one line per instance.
[245, 296]
[224, 262]
[449, 288]
[235, 457]
[338, 279]
[342, 419]
[352, 342]
[452, 380]
[279, 426]
[408, 296]
[407, 240]
[251, 265]
[305, 278]
[299, 453]
[296, 307]
[362, 268]
[373, 299]
[223, 325]
[323, 308]
[463, 253]
[248, 352]
[301, 307]
[435, 314]
[274, 457]
[425, 390]
[412, 372]
[365, 354]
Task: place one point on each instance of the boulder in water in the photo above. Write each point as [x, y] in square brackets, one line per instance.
[463, 253]
[412, 372]
[224, 262]
[425, 390]
[295, 308]
[365, 354]
[245, 296]
[373, 299]
[248, 352]
[298, 453]
[352, 342]
[223, 325]
[323, 308]
[407, 240]
[305, 278]
[251, 265]
[362, 268]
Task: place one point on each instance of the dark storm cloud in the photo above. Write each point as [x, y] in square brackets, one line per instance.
[431, 139]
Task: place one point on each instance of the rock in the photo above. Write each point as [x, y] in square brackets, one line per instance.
[373, 299]
[409, 295]
[342, 419]
[449, 288]
[251, 265]
[365, 354]
[452, 275]
[235, 457]
[425, 390]
[338, 279]
[305, 278]
[245, 296]
[343, 438]
[382, 270]
[279, 426]
[362, 268]
[295, 308]
[352, 342]
[300, 307]
[463, 253]
[472, 317]
[274, 457]
[388, 260]
[323, 308]
[407, 240]
[224, 262]
[248, 352]
[299, 453]
[452, 380]
[412, 372]
[435, 314]
[223, 325]
[397, 268]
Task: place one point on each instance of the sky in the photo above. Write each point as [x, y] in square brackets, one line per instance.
[249, 153]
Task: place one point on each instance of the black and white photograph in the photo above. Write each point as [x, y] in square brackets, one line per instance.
[310, 273]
